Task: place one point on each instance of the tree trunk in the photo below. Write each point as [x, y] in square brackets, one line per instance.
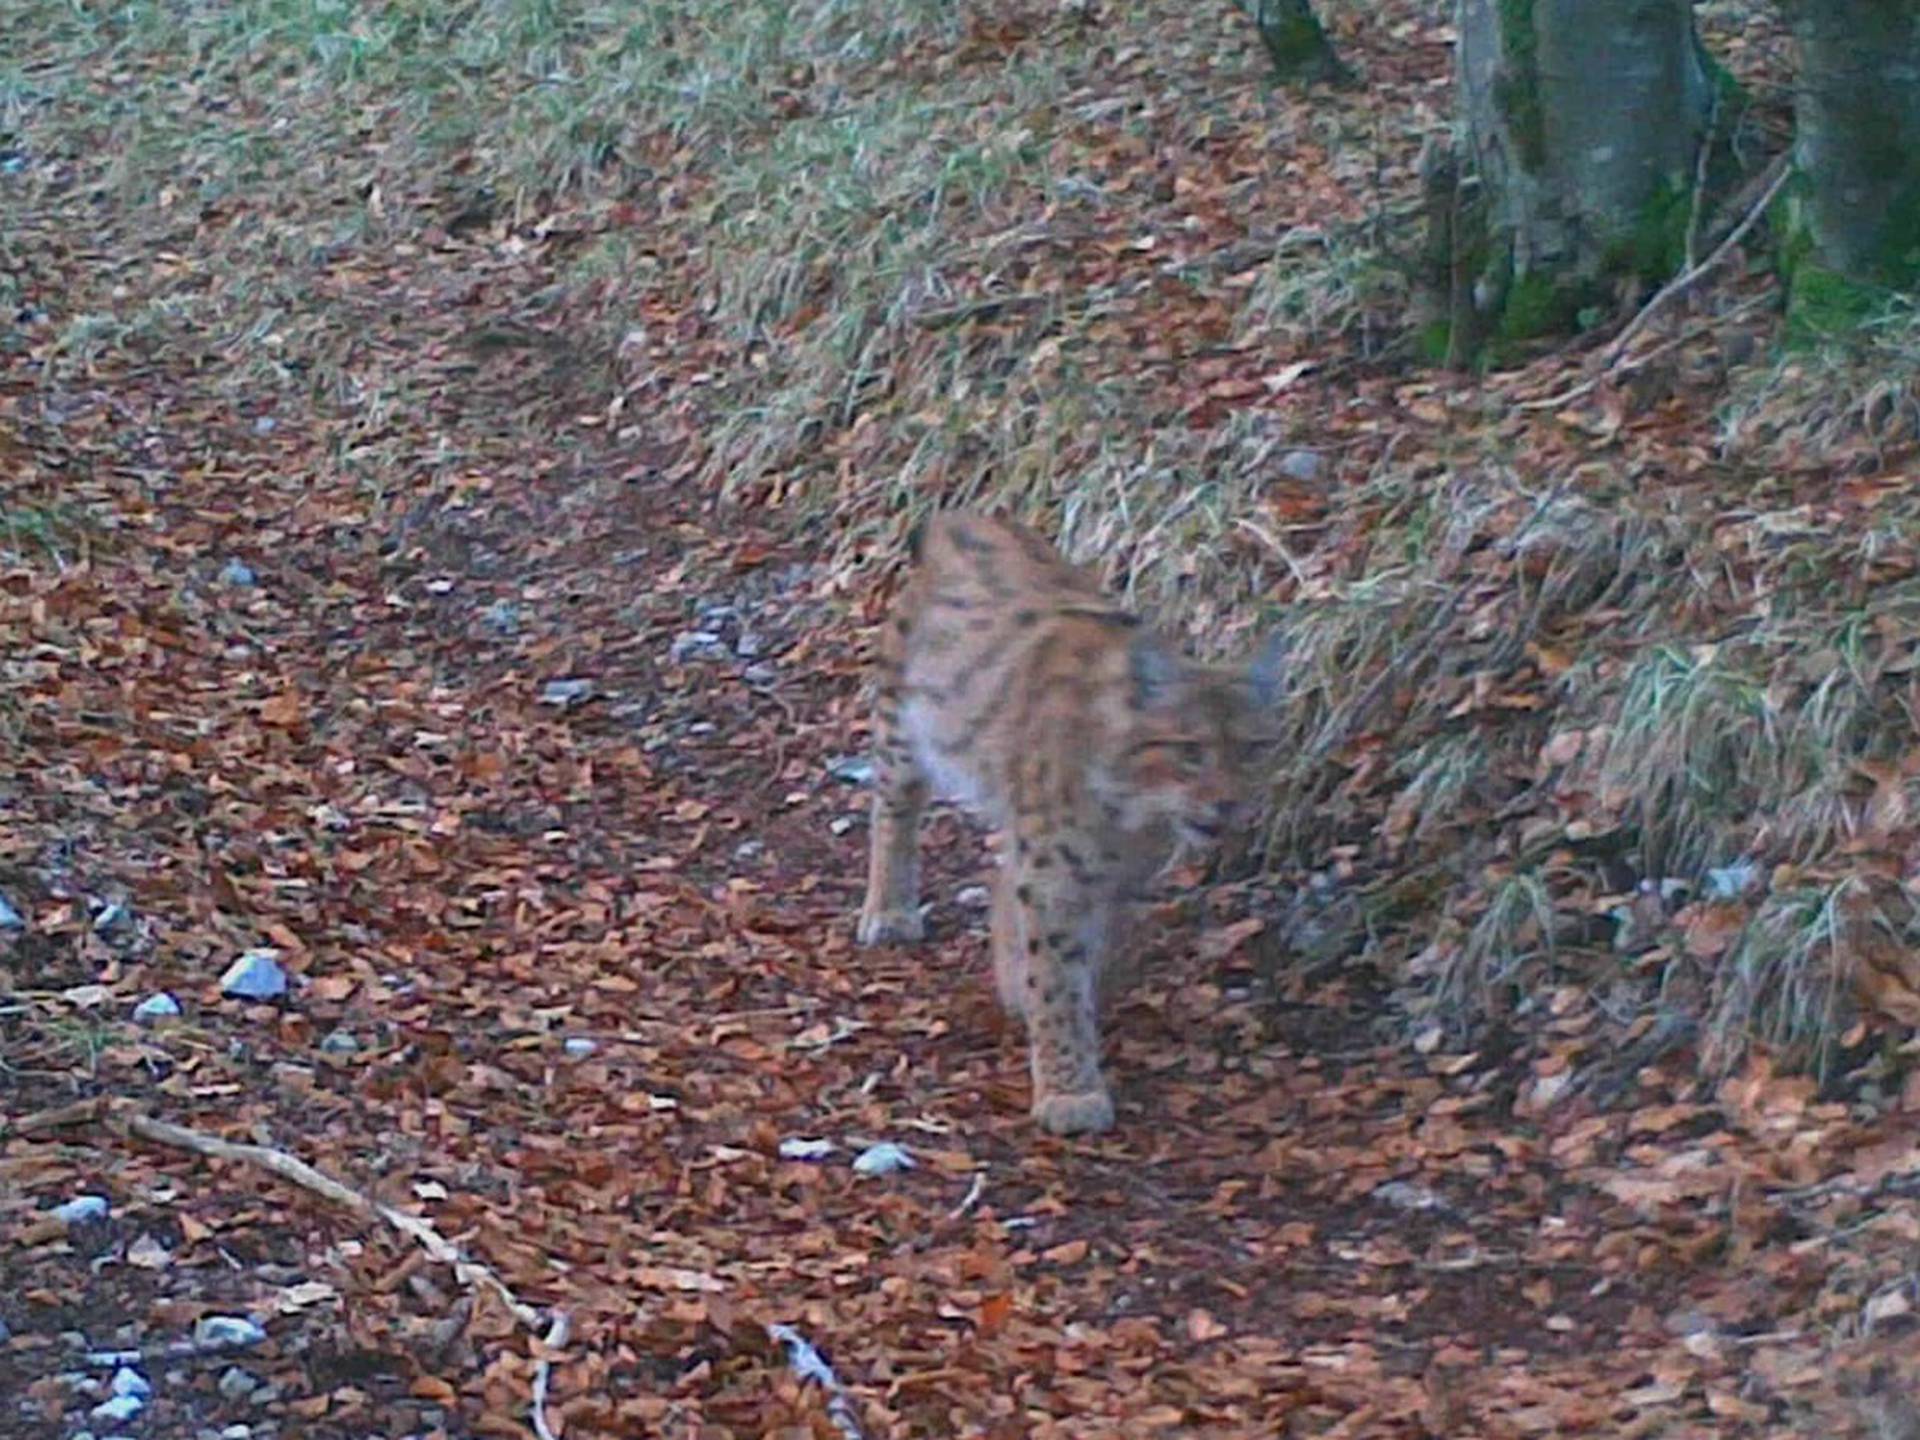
[1296, 42]
[1852, 218]
[1583, 121]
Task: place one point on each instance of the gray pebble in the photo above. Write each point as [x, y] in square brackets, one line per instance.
[563, 693]
[256, 975]
[236, 1384]
[697, 645]
[158, 1006]
[1302, 464]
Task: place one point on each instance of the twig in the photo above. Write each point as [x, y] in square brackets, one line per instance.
[1680, 284]
[1638, 362]
[808, 1363]
[972, 1196]
[470, 1272]
[556, 1338]
[985, 309]
[1700, 160]
[473, 1273]
[60, 1117]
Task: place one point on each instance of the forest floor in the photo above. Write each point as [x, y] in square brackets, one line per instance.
[536, 770]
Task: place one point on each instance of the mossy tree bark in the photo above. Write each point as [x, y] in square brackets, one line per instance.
[1296, 42]
[1851, 221]
[1583, 121]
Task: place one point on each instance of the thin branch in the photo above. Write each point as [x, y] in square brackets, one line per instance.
[972, 1197]
[1639, 362]
[475, 1274]
[556, 1339]
[809, 1364]
[1680, 284]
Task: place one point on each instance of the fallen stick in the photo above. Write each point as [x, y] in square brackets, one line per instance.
[972, 1196]
[555, 1339]
[809, 1364]
[288, 1167]
[473, 1273]
[1691, 277]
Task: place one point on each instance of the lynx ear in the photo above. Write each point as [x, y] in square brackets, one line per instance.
[1155, 668]
[1267, 673]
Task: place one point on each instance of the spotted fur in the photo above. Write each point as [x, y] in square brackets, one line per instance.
[1007, 680]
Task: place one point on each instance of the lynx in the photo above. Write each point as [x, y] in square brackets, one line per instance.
[1007, 680]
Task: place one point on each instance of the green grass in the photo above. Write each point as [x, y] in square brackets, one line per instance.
[55, 532]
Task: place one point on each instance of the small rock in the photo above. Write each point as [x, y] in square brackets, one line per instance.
[1546, 1091]
[749, 849]
[265, 425]
[10, 918]
[1730, 882]
[697, 645]
[120, 1407]
[974, 897]
[256, 975]
[578, 1047]
[226, 1332]
[853, 769]
[760, 673]
[339, 1042]
[565, 693]
[237, 1432]
[128, 1381]
[158, 1006]
[749, 646]
[237, 573]
[111, 914]
[800, 1148]
[882, 1159]
[716, 612]
[79, 1210]
[236, 1384]
[502, 617]
[1406, 1195]
[841, 824]
[1688, 1322]
[1302, 464]
[147, 1253]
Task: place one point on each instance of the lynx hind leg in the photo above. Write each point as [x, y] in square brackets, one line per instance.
[892, 909]
[1012, 975]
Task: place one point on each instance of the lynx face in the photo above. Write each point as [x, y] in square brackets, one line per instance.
[1007, 680]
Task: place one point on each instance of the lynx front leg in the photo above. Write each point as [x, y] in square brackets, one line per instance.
[1008, 940]
[892, 908]
[1063, 939]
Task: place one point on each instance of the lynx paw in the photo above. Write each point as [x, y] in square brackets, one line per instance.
[890, 927]
[1083, 1114]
